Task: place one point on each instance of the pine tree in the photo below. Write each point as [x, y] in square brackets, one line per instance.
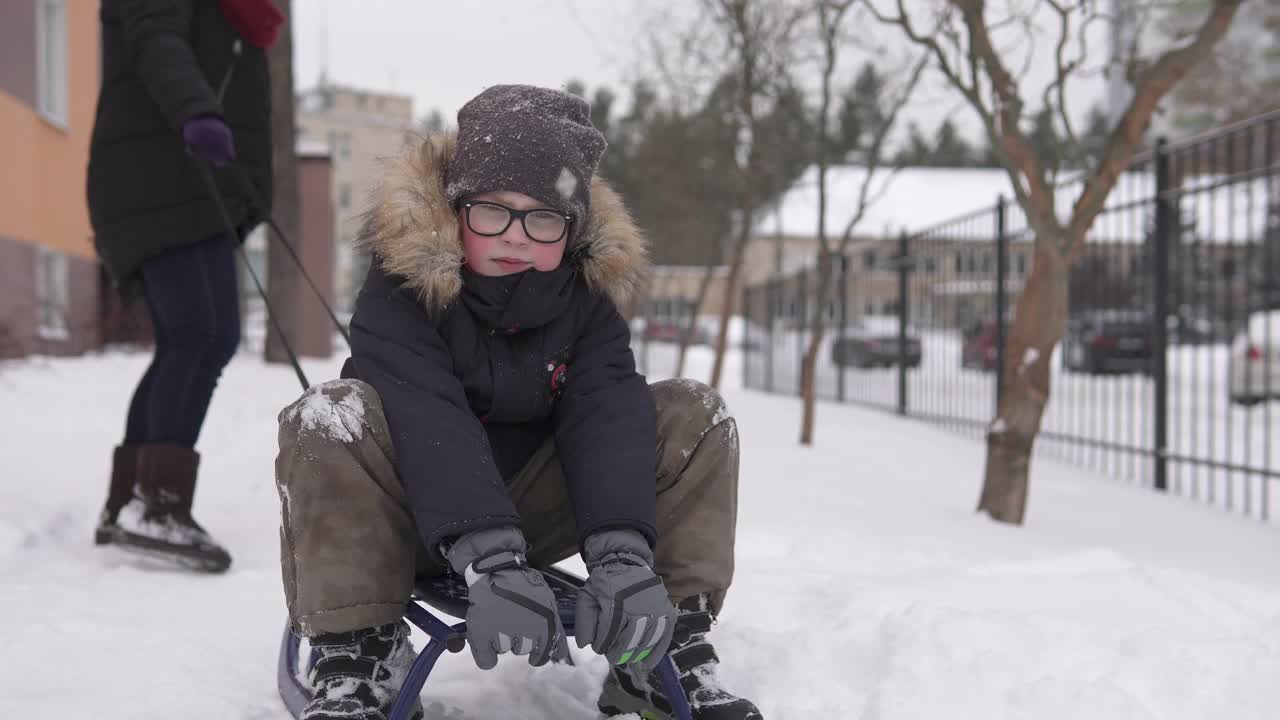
[951, 150]
[917, 152]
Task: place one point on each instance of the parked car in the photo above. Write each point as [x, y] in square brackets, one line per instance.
[873, 342]
[1108, 341]
[1255, 360]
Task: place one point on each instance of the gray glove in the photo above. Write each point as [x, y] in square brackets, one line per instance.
[512, 609]
[623, 611]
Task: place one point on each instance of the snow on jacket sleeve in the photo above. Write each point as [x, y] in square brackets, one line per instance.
[606, 430]
[443, 454]
[155, 33]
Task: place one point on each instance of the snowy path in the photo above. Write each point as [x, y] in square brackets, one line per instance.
[865, 586]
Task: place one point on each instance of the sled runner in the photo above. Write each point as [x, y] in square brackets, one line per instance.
[448, 595]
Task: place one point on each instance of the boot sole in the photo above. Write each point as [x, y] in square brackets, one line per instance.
[179, 556]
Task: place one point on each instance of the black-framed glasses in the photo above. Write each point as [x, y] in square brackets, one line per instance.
[540, 225]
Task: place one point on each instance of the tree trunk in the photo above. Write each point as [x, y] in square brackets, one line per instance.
[283, 281]
[686, 333]
[1038, 325]
[809, 368]
[730, 294]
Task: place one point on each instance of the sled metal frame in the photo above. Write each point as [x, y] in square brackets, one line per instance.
[448, 595]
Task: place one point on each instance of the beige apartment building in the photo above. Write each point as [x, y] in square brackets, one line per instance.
[363, 130]
[956, 264]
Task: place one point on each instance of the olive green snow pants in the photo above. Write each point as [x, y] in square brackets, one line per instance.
[350, 550]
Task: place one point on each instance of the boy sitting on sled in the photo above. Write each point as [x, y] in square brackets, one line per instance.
[490, 420]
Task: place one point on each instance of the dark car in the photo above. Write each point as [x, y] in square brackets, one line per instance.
[1108, 341]
[873, 342]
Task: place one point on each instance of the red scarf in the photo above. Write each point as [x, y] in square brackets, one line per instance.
[258, 21]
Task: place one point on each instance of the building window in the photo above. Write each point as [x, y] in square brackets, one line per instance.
[53, 303]
[339, 144]
[51, 60]
[344, 196]
[868, 259]
[1020, 264]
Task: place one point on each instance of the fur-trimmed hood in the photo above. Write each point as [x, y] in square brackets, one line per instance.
[413, 230]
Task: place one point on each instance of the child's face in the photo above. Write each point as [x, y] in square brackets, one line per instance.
[512, 251]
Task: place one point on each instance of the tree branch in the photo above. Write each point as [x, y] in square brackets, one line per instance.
[830, 16]
[1064, 69]
[1039, 196]
[1152, 85]
[875, 151]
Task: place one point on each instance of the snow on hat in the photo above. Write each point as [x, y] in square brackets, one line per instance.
[531, 140]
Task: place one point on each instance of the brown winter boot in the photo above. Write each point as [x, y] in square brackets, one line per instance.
[154, 519]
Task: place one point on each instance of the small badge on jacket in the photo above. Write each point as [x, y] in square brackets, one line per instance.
[557, 368]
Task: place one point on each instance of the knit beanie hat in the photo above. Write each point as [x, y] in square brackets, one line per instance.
[530, 140]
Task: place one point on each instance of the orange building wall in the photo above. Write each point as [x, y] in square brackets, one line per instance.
[42, 177]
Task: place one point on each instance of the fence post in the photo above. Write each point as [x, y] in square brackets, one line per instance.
[843, 294]
[904, 262]
[1163, 234]
[1002, 273]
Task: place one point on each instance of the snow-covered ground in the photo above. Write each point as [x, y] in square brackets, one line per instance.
[866, 587]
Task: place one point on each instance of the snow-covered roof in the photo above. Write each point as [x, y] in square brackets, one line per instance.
[1220, 209]
[910, 199]
[310, 147]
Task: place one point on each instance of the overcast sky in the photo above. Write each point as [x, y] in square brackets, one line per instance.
[443, 52]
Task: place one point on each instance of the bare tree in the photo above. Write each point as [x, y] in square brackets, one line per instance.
[689, 331]
[759, 35]
[283, 281]
[959, 36]
[681, 150]
[864, 132]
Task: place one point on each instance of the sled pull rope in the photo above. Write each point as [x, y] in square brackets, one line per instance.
[229, 226]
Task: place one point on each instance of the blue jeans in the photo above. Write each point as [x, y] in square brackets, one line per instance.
[192, 296]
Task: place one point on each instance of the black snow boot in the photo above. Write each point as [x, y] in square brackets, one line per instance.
[357, 674]
[148, 509]
[696, 663]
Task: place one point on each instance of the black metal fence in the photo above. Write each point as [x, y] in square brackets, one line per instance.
[1191, 234]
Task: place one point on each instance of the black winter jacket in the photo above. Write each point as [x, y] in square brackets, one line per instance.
[475, 373]
[163, 62]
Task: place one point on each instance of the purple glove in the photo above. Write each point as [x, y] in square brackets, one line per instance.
[209, 138]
